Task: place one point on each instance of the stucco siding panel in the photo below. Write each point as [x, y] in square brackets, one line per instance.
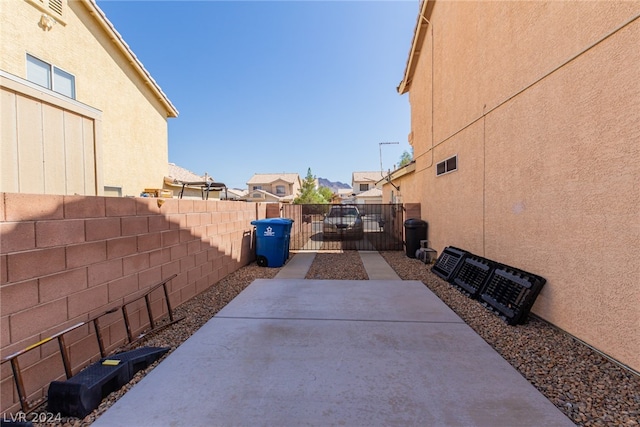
[9, 145]
[454, 203]
[563, 196]
[89, 156]
[54, 150]
[74, 154]
[547, 96]
[486, 52]
[30, 153]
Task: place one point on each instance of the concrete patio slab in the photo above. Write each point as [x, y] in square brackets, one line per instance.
[358, 300]
[307, 352]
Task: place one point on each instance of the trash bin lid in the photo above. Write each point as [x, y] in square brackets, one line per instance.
[415, 223]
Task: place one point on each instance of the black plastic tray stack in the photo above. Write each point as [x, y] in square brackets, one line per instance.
[449, 262]
[511, 293]
[473, 275]
[507, 291]
[82, 393]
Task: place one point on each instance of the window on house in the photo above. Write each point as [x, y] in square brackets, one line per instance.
[51, 77]
[364, 187]
[257, 187]
[448, 165]
[257, 196]
[280, 190]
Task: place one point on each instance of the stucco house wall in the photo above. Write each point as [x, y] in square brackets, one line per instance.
[540, 101]
[108, 78]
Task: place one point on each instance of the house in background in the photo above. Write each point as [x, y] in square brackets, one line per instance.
[234, 194]
[373, 196]
[345, 195]
[177, 176]
[525, 119]
[80, 113]
[267, 187]
[365, 181]
[393, 183]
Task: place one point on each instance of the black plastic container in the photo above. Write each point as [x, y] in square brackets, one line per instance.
[511, 293]
[473, 274]
[415, 230]
[448, 262]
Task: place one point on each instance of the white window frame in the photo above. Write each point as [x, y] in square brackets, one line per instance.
[281, 190]
[447, 166]
[53, 71]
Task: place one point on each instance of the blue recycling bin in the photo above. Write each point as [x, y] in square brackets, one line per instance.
[289, 225]
[272, 241]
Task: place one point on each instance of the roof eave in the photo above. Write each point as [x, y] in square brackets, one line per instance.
[416, 46]
[101, 18]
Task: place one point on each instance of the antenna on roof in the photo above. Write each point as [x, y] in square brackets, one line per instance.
[380, 144]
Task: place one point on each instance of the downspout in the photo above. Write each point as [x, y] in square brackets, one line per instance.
[432, 88]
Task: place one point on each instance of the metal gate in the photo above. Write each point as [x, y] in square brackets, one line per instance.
[367, 227]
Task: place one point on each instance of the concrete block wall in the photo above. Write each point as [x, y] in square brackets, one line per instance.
[66, 259]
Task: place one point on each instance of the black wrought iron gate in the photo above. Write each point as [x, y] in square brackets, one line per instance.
[374, 227]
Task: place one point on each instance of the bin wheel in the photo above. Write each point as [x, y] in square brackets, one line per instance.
[262, 261]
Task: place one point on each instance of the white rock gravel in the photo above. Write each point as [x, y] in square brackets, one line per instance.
[590, 389]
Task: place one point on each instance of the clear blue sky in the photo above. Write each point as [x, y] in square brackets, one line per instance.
[276, 86]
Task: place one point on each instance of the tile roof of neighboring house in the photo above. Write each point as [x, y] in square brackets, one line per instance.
[178, 173]
[267, 178]
[117, 39]
[367, 176]
[374, 192]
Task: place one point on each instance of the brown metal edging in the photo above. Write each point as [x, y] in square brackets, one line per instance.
[13, 358]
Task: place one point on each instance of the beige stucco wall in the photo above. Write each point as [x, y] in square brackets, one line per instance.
[541, 103]
[134, 132]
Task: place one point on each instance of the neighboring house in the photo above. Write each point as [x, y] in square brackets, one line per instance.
[177, 176]
[268, 187]
[525, 120]
[345, 195]
[365, 181]
[396, 181]
[373, 196]
[80, 114]
[234, 194]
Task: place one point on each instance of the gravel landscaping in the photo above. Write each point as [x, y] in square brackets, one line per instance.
[590, 389]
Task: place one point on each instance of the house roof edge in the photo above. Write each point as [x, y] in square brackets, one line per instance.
[102, 19]
[416, 46]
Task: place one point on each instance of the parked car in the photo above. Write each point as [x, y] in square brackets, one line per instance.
[343, 221]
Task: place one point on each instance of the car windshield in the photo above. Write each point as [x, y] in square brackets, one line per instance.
[334, 213]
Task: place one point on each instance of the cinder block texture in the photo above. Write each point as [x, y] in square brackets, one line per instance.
[66, 259]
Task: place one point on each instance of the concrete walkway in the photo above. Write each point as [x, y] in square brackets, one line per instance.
[294, 352]
[376, 267]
